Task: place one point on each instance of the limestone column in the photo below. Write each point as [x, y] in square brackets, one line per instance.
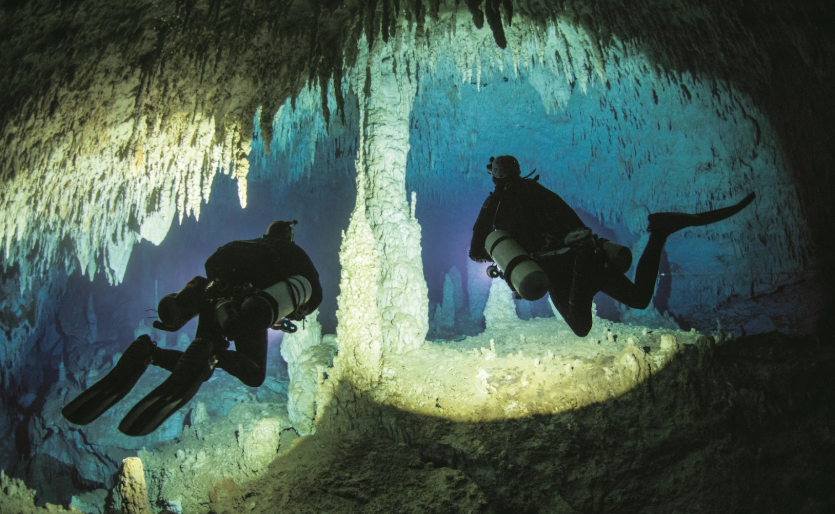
[383, 304]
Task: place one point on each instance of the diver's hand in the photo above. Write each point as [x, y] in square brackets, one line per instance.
[477, 258]
[579, 238]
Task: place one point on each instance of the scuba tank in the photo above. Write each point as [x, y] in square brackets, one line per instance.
[264, 308]
[249, 309]
[618, 257]
[524, 273]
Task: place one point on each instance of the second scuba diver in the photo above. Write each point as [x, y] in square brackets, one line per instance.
[541, 246]
[250, 286]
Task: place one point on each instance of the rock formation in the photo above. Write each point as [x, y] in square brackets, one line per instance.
[132, 491]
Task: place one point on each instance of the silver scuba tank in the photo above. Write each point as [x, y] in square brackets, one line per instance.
[265, 308]
[524, 273]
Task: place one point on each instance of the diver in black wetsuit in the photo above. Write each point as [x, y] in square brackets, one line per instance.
[250, 286]
[577, 263]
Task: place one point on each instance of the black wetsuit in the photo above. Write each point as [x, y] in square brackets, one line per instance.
[538, 219]
[266, 261]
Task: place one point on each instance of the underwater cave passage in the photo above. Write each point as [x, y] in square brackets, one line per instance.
[386, 192]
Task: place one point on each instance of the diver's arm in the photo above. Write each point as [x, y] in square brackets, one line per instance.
[482, 228]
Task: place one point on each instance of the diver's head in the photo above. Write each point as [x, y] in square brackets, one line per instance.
[504, 166]
[281, 229]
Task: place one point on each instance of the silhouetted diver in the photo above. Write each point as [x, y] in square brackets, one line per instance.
[541, 245]
[251, 286]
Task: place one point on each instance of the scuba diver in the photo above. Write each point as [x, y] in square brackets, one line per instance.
[539, 245]
[250, 286]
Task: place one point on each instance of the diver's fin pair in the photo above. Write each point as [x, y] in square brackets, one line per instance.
[665, 223]
[105, 393]
[194, 367]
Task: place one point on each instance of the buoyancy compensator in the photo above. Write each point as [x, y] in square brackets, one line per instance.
[526, 276]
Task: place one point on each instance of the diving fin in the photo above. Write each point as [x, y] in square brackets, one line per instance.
[665, 223]
[194, 367]
[107, 392]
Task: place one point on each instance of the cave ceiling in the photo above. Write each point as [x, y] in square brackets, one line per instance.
[132, 107]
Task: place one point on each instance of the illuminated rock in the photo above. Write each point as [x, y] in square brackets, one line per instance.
[132, 490]
[16, 497]
[500, 309]
[239, 446]
[308, 357]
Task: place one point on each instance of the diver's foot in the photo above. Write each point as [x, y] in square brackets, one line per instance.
[105, 393]
[194, 367]
[665, 223]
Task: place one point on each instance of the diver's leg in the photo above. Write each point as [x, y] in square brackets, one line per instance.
[661, 225]
[194, 367]
[105, 393]
[577, 318]
[166, 359]
[639, 294]
[585, 276]
[248, 363]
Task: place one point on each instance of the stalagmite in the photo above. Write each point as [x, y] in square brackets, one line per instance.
[307, 355]
[500, 310]
[478, 290]
[132, 488]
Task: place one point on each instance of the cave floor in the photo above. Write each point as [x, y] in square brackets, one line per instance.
[535, 367]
